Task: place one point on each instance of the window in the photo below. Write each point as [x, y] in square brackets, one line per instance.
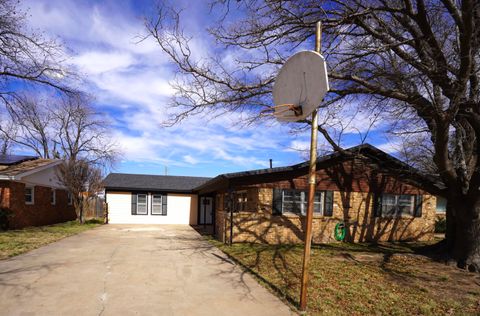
[53, 197]
[397, 205]
[70, 198]
[157, 208]
[241, 201]
[29, 195]
[441, 205]
[142, 204]
[295, 201]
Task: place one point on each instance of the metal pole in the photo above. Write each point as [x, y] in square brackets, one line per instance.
[311, 190]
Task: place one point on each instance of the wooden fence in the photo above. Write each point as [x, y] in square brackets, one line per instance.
[95, 208]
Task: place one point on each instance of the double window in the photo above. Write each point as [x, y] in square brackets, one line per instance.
[296, 202]
[29, 195]
[397, 205]
[143, 202]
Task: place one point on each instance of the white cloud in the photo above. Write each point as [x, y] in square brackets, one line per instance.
[97, 62]
[391, 147]
[131, 82]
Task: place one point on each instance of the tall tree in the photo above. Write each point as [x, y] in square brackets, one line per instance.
[60, 127]
[67, 128]
[416, 60]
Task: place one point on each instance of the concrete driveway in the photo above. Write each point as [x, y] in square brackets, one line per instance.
[131, 270]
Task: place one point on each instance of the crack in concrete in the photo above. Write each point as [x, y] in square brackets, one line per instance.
[104, 296]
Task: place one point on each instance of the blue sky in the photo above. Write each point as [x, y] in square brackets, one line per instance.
[130, 81]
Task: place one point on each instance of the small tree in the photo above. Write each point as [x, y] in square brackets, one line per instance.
[83, 181]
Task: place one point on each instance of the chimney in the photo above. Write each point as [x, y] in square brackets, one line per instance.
[271, 163]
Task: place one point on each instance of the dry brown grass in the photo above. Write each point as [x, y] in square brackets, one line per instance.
[362, 279]
[15, 242]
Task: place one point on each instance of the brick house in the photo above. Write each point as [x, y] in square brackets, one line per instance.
[378, 197]
[31, 194]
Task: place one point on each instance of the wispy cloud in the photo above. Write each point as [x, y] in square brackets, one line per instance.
[130, 79]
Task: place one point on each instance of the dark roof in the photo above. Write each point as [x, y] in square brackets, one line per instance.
[366, 150]
[8, 160]
[124, 181]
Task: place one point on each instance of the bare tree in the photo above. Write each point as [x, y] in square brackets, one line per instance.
[83, 180]
[27, 58]
[33, 122]
[60, 127]
[82, 133]
[67, 128]
[6, 142]
[417, 60]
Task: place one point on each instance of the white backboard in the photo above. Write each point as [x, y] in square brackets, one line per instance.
[302, 81]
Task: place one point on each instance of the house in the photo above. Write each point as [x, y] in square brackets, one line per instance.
[150, 199]
[378, 197]
[31, 194]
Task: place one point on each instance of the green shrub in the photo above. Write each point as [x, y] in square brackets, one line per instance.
[94, 221]
[441, 225]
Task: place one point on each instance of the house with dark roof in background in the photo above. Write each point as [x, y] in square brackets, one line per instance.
[152, 199]
[376, 196]
[31, 193]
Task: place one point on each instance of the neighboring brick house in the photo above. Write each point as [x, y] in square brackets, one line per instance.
[31, 193]
[378, 197]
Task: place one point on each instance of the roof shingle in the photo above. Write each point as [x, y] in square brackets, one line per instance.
[13, 170]
[124, 181]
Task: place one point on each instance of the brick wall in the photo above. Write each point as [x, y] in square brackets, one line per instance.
[42, 212]
[353, 184]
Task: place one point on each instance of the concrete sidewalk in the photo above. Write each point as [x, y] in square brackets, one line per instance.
[131, 270]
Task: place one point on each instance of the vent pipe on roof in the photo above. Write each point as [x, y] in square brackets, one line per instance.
[271, 163]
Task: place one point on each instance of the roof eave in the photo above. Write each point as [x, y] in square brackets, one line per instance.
[20, 176]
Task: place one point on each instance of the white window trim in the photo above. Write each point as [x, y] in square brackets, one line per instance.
[54, 195]
[156, 204]
[397, 213]
[146, 204]
[244, 200]
[33, 194]
[304, 203]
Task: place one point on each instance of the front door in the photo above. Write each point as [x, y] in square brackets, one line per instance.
[206, 210]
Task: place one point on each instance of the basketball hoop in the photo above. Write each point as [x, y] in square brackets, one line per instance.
[300, 86]
[298, 91]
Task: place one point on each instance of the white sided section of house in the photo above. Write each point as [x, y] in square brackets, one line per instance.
[181, 209]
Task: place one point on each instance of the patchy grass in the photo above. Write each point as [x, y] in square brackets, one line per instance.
[362, 279]
[15, 242]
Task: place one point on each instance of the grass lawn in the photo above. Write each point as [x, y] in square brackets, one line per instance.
[15, 242]
[362, 279]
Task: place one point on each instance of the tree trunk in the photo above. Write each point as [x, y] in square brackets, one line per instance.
[80, 215]
[466, 243]
[451, 226]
